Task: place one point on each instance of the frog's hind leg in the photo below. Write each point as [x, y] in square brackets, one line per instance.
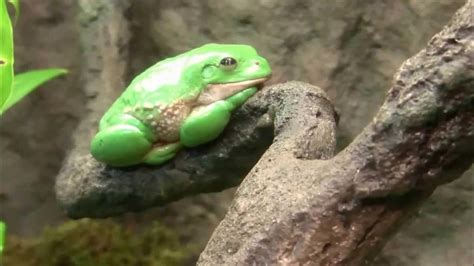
[126, 141]
[120, 145]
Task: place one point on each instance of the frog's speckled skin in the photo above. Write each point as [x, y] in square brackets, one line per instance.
[181, 101]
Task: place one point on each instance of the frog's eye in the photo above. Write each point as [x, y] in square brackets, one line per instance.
[228, 63]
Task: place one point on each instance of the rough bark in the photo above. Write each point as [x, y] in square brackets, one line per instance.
[292, 208]
[341, 211]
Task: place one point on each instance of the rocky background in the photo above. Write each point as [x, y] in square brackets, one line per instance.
[349, 48]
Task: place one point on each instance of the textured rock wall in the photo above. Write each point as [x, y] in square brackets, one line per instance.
[349, 48]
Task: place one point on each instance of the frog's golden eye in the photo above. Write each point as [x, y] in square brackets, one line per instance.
[228, 63]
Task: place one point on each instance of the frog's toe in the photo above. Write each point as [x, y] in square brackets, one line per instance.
[162, 154]
[120, 145]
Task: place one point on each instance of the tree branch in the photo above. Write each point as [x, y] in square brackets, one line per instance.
[341, 211]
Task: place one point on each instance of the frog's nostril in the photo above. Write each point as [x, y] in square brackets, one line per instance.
[257, 63]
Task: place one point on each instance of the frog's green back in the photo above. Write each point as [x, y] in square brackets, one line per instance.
[182, 77]
[161, 83]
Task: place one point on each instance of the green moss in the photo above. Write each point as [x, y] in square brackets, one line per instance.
[99, 243]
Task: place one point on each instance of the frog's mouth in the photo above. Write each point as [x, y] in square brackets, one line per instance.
[221, 91]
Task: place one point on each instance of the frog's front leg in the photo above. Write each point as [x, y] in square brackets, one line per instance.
[206, 123]
[126, 141]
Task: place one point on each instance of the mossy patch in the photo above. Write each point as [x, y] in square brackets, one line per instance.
[98, 243]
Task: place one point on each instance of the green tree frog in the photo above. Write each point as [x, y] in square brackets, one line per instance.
[183, 101]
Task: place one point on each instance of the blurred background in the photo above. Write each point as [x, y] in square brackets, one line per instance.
[351, 49]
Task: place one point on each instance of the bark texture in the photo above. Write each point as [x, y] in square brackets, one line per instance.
[341, 211]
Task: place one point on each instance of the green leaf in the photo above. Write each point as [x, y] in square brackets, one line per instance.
[25, 83]
[2, 236]
[16, 4]
[6, 53]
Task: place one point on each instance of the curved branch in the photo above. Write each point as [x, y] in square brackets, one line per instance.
[341, 211]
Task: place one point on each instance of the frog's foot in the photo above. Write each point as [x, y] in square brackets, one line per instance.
[162, 153]
[120, 145]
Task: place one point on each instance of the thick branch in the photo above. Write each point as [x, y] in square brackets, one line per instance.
[341, 211]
